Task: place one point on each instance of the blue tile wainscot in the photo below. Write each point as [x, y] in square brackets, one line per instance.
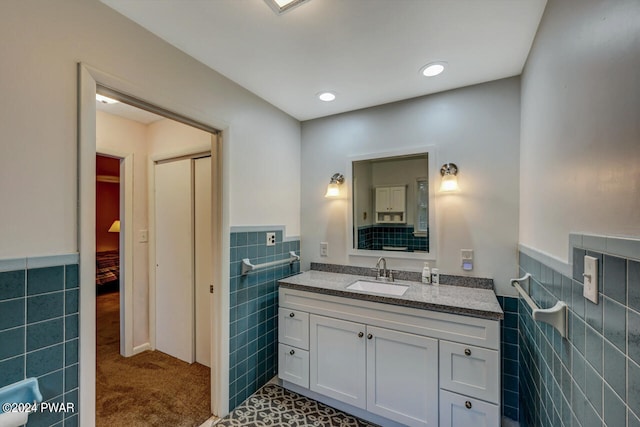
[39, 331]
[253, 317]
[509, 348]
[592, 378]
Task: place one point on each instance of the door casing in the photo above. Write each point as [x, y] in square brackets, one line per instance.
[88, 79]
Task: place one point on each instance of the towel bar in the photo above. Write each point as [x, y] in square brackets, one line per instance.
[247, 266]
[555, 316]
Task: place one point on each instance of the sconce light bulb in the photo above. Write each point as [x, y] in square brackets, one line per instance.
[449, 183]
[332, 190]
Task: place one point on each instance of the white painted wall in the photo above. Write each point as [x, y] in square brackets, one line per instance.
[580, 138]
[128, 136]
[38, 120]
[475, 127]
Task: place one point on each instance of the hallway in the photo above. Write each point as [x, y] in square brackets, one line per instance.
[149, 389]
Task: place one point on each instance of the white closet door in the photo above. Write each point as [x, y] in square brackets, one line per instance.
[174, 259]
[203, 258]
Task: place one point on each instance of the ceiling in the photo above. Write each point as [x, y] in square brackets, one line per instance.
[129, 112]
[369, 52]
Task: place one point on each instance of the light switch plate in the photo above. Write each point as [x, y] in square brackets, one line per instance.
[466, 259]
[591, 279]
[143, 236]
[324, 249]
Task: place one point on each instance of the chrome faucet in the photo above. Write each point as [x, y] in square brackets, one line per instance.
[383, 274]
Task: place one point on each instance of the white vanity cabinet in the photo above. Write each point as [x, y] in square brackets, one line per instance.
[337, 359]
[402, 376]
[293, 346]
[390, 364]
[389, 373]
[457, 410]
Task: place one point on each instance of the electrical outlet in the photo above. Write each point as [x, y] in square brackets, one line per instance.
[271, 239]
[590, 274]
[324, 249]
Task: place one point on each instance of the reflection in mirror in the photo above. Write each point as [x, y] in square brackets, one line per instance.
[391, 204]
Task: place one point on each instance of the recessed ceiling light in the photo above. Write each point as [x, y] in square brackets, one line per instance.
[282, 6]
[105, 99]
[433, 69]
[327, 96]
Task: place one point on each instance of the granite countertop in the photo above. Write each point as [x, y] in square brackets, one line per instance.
[444, 298]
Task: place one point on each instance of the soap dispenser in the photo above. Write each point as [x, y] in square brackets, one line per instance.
[426, 273]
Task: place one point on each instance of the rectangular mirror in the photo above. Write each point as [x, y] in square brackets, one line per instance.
[392, 208]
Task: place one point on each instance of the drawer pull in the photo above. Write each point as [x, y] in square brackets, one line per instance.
[467, 352]
[292, 352]
[467, 404]
[369, 336]
[291, 314]
[360, 334]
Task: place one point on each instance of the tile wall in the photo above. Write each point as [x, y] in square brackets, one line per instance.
[253, 321]
[39, 335]
[591, 378]
[509, 349]
[373, 237]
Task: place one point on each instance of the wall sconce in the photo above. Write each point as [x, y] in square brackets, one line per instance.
[333, 189]
[115, 227]
[449, 172]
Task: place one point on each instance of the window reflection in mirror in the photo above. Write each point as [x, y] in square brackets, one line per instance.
[391, 204]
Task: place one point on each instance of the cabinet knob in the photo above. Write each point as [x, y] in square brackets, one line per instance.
[369, 336]
[292, 352]
[467, 352]
[360, 334]
[467, 404]
[291, 314]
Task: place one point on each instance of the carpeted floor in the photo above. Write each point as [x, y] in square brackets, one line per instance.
[149, 389]
[275, 406]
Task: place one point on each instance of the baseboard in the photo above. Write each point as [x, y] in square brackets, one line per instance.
[140, 348]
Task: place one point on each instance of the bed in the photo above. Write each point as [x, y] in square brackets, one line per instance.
[107, 267]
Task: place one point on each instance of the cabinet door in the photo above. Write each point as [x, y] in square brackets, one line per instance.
[293, 365]
[397, 199]
[461, 411]
[293, 328]
[469, 370]
[402, 377]
[382, 199]
[337, 359]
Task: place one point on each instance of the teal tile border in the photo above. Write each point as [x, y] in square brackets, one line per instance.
[256, 228]
[13, 264]
[625, 247]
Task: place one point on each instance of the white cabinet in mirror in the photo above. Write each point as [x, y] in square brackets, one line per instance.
[392, 210]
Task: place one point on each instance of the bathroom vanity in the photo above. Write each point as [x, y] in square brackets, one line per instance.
[428, 357]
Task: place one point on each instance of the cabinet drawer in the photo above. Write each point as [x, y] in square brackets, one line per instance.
[469, 370]
[293, 365]
[463, 411]
[293, 328]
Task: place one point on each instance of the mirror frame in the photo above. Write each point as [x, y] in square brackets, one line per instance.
[430, 150]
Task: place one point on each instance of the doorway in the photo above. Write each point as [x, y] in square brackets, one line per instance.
[87, 143]
[154, 368]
